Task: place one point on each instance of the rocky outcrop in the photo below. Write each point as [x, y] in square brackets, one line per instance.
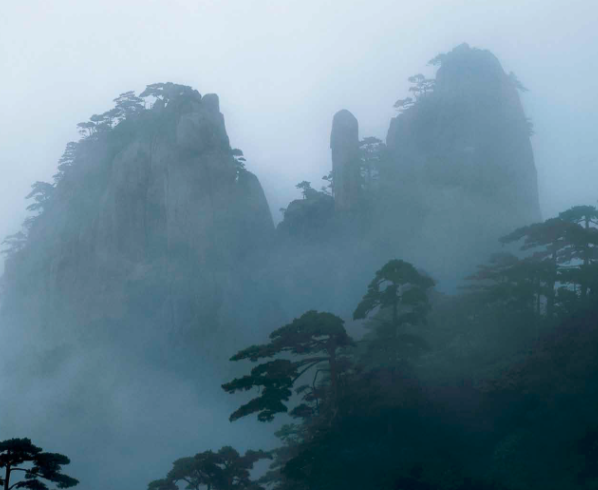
[471, 134]
[156, 227]
[461, 164]
[344, 144]
[309, 219]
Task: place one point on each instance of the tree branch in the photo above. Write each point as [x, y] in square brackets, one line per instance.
[318, 361]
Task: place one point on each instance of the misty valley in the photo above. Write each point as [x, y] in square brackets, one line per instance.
[412, 323]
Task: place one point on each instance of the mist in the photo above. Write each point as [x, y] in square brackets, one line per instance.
[282, 71]
[125, 405]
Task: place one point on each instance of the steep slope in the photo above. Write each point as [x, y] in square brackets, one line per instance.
[153, 225]
[461, 155]
[456, 173]
[471, 132]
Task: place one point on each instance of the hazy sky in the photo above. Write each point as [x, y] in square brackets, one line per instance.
[282, 69]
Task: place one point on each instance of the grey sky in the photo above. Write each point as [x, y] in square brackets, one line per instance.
[282, 69]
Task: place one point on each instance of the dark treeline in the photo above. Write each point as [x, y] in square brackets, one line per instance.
[421, 401]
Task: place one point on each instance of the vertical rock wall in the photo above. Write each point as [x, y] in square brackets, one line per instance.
[471, 134]
[344, 143]
[156, 228]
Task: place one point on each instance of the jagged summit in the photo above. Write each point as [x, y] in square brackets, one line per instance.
[457, 169]
[150, 217]
[470, 132]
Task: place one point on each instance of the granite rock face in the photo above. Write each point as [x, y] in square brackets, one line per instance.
[462, 163]
[344, 144]
[471, 134]
[156, 228]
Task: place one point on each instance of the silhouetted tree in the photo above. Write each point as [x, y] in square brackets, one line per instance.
[306, 189]
[66, 161]
[403, 104]
[437, 60]
[583, 239]
[223, 470]
[511, 282]
[14, 243]
[87, 129]
[372, 155]
[127, 105]
[165, 92]
[313, 339]
[549, 241]
[21, 457]
[240, 161]
[400, 288]
[41, 193]
[328, 189]
[421, 86]
[101, 122]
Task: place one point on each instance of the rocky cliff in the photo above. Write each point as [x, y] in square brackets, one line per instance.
[344, 148]
[470, 133]
[461, 161]
[456, 173]
[153, 224]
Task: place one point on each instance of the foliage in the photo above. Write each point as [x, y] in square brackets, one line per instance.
[313, 339]
[403, 104]
[517, 83]
[373, 156]
[36, 467]
[420, 88]
[399, 288]
[128, 107]
[310, 219]
[307, 190]
[437, 60]
[14, 243]
[66, 161]
[557, 246]
[239, 161]
[222, 470]
[166, 92]
[397, 284]
[41, 193]
[328, 189]
[385, 432]
[512, 282]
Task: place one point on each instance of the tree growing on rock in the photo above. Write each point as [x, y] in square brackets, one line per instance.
[14, 243]
[421, 86]
[306, 189]
[67, 160]
[329, 188]
[372, 155]
[41, 193]
[127, 105]
[404, 104]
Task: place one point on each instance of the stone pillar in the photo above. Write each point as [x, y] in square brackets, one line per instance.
[344, 143]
